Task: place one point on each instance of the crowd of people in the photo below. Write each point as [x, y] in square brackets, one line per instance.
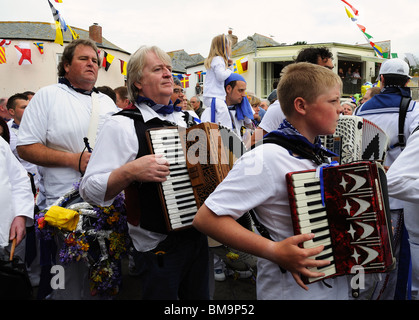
[74, 133]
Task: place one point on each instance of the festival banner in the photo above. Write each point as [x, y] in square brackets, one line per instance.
[107, 60]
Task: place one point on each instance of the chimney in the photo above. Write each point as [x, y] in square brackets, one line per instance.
[95, 33]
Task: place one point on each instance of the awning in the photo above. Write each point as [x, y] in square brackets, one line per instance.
[340, 56]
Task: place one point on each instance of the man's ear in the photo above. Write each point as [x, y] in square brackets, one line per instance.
[300, 105]
[228, 89]
[138, 85]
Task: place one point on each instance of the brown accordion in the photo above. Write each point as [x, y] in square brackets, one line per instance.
[357, 139]
[200, 157]
[346, 207]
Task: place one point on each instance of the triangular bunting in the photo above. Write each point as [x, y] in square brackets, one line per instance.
[40, 46]
[123, 67]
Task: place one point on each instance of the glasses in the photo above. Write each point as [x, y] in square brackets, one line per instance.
[178, 91]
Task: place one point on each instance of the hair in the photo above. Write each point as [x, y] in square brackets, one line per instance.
[305, 80]
[312, 54]
[108, 91]
[11, 103]
[177, 82]
[395, 80]
[136, 66]
[68, 53]
[254, 101]
[219, 46]
[374, 90]
[122, 92]
[6, 132]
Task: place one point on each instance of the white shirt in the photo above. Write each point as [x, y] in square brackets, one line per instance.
[58, 117]
[30, 167]
[403, 184]
[116, 145]
[272, 118]
[16, 195]
[214, 79]
[257, 180]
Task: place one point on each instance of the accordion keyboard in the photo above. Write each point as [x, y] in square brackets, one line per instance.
[177, 189]
[313, 219]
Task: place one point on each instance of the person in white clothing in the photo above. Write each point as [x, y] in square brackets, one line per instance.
[219, 68]
[274, 116]
[311, 108]
[174, 263]
[52, 134]
[383, 109]
[16, 198]
[403, 184]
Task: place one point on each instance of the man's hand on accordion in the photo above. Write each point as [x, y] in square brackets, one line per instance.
[150, 168]
[296, 260]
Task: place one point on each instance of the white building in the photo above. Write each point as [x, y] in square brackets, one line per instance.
[42, 71]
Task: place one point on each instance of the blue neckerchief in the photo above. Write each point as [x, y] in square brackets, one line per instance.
[15, 125]
[287, 131]
[159, 108]
[65, 81]
[404, 91]
[243, 109]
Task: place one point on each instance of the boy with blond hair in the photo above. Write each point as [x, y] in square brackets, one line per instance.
[310, 98]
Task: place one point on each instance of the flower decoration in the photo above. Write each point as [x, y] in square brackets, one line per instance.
[100, 239]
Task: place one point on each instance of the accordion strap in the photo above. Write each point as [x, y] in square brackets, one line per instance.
[297, 148]
[404, 105]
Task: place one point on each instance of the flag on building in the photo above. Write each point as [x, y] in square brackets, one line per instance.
[107, 60]
[123, 67]
[2, 55]
[4, 42]
[242, 65]
[185, 82]
[23, 53]
[40, 46]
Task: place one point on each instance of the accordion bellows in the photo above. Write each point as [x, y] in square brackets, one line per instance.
[346, 207]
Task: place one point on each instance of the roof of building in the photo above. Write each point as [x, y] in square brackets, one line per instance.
[45, 31]
[251, 43]
[181, 59]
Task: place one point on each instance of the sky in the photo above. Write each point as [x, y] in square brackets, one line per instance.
[191, 24]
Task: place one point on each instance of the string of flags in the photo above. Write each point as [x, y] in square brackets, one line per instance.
[353, 14]
[60, 25]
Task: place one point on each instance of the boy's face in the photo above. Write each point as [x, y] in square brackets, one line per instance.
[322, 115]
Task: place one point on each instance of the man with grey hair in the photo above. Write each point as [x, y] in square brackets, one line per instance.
[197, 105]
[3, 110]
[51, 135]
[174, 263]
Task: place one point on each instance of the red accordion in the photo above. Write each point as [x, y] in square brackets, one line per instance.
[346, 207]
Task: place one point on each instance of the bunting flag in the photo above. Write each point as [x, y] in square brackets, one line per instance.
[350, 15]
[23, 53]
[185, 82]
[4, 43]
[200, 75]
[40, 46]
[107, 60]
[241, 65]
[2, 55]
[350, 6]
[378, 50]
[123, 67]
[74, 35]
[58, 27]
[58, 1]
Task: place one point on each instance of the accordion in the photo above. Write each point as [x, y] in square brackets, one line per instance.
[346, 207]
[200, 157]
[357, 139]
